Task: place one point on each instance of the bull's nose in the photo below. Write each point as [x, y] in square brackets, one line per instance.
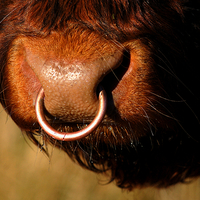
[70, 86]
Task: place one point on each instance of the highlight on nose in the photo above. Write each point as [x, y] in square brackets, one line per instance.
[39, 108]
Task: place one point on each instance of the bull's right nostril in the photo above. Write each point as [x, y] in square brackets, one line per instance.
[39, 107]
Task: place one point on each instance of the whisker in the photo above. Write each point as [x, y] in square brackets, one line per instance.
[166, 99]
[154, 108]
[170, 71]
[189, 108]
[8, 15]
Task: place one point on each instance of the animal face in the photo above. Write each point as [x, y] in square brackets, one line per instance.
[143, 53]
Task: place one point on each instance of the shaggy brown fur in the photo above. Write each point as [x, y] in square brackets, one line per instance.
[151, 132]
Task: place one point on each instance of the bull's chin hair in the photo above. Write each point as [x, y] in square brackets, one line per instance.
[161, 163]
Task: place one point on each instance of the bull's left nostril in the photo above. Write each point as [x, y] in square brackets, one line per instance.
[39, 107]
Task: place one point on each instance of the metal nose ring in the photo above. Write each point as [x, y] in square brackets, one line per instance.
[39, 108]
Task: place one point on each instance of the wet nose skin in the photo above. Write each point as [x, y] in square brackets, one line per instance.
[70, 85]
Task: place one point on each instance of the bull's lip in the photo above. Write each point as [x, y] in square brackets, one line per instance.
[111, 117]
[58, 122]
[65, 130]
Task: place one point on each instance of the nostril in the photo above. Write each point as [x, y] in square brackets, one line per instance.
[32, 82]
[113, 78]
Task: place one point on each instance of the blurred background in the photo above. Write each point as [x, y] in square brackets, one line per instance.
[27, 174]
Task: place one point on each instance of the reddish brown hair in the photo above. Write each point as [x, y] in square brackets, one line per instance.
[156, 139]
